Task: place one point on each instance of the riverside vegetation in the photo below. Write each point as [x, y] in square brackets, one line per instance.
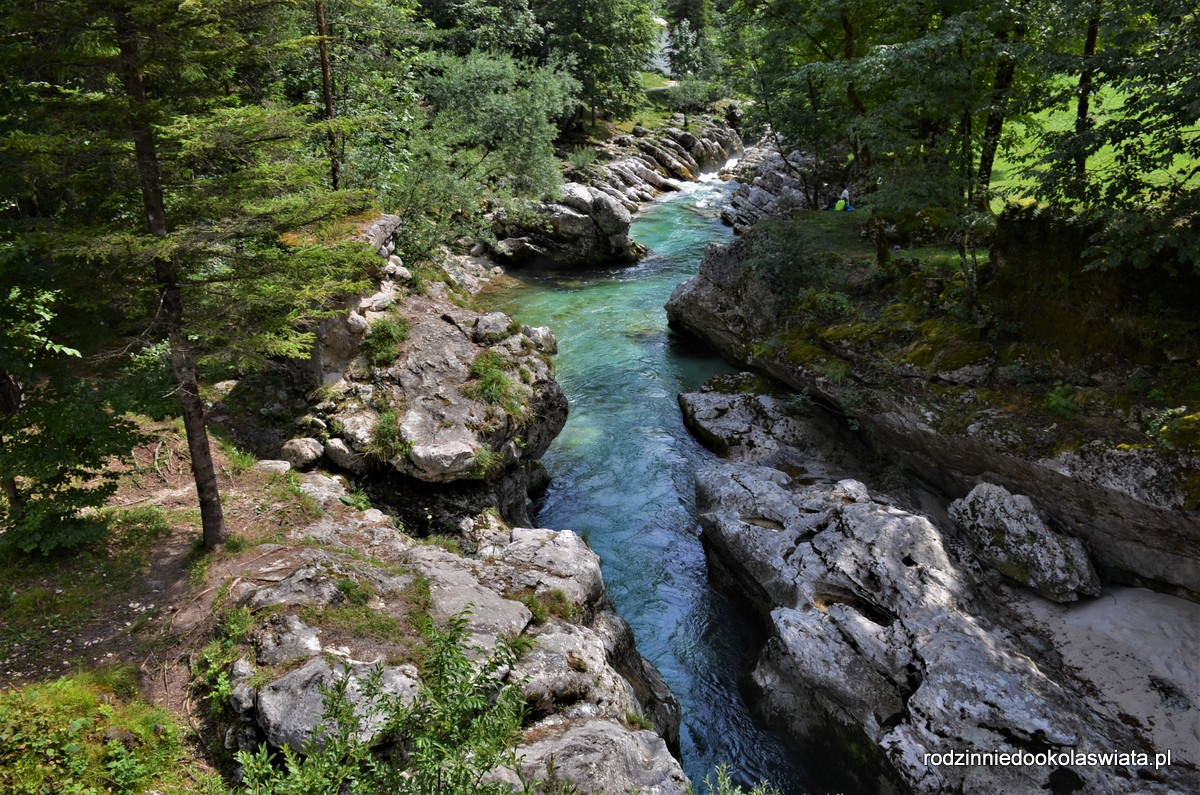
[186, 187]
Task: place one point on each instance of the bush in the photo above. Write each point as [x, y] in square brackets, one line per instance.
[462, 724]
[582, 157]
[725, 786]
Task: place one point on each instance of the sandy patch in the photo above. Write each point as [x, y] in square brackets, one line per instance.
[1138, 654]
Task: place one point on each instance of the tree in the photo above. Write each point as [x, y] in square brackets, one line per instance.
[606, 44]
[142, 175]
[56, 432]
[1131, 160]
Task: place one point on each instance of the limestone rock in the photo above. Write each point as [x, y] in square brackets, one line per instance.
[273, 467]
[878, 632]
[287, 639]
[492, 328]
[599, 756]
[357, 323]
[1128, 504]
[310, 585]
[567, 672]
[342, 456]
[322, 488]
[1011, 533]
[302, 453]
[290, 709]
[761, 429]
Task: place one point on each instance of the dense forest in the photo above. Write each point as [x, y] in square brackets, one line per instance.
[181, 181]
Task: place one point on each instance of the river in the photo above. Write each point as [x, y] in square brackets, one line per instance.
[623, 476]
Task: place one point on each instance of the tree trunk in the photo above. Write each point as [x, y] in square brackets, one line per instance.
[1086, 89]
[166, 273]
[1006, 71]
[327, 92]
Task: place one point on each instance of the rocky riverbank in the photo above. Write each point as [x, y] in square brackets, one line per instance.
[891, 637]
[588, 224]
[441, 413]
[961, 415]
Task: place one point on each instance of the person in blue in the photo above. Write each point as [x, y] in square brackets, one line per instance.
[843, 202]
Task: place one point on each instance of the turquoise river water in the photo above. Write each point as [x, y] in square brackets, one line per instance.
[623, 472]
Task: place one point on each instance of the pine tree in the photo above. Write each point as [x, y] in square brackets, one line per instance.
[142, 164]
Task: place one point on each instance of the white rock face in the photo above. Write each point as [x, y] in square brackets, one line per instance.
[878, 629]
[1010, 532]
[290, 709]
[599, 756]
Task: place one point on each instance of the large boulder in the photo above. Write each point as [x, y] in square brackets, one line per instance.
[1010, 532]
[598, 756]
[291, 710]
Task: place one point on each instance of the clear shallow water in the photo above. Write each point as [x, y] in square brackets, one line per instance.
[623, 476]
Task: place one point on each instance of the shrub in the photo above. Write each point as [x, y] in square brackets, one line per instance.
[581, 157]
[1061, 400]
[85, 734]
[725, 786]
[462, 724]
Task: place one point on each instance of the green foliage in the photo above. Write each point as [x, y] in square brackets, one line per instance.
[383, 338]
[605, 44]
[500, 113]
[581, 158]
[386, 441]
[462, 724]
[638, 720]
[53, 740]
[691, 95]
[53, 452]
[537, 611]
[354, 593]
[449, 543]
[725, 786]
[358, 500]
[210, 667]
[486, 462]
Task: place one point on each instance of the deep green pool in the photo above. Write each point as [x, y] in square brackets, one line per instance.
[623, 475]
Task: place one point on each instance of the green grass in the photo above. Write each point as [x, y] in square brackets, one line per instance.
[493, 385]
[382, 340]
[88, 734]
[1008, 184]
[386, 441]
[654, 80]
